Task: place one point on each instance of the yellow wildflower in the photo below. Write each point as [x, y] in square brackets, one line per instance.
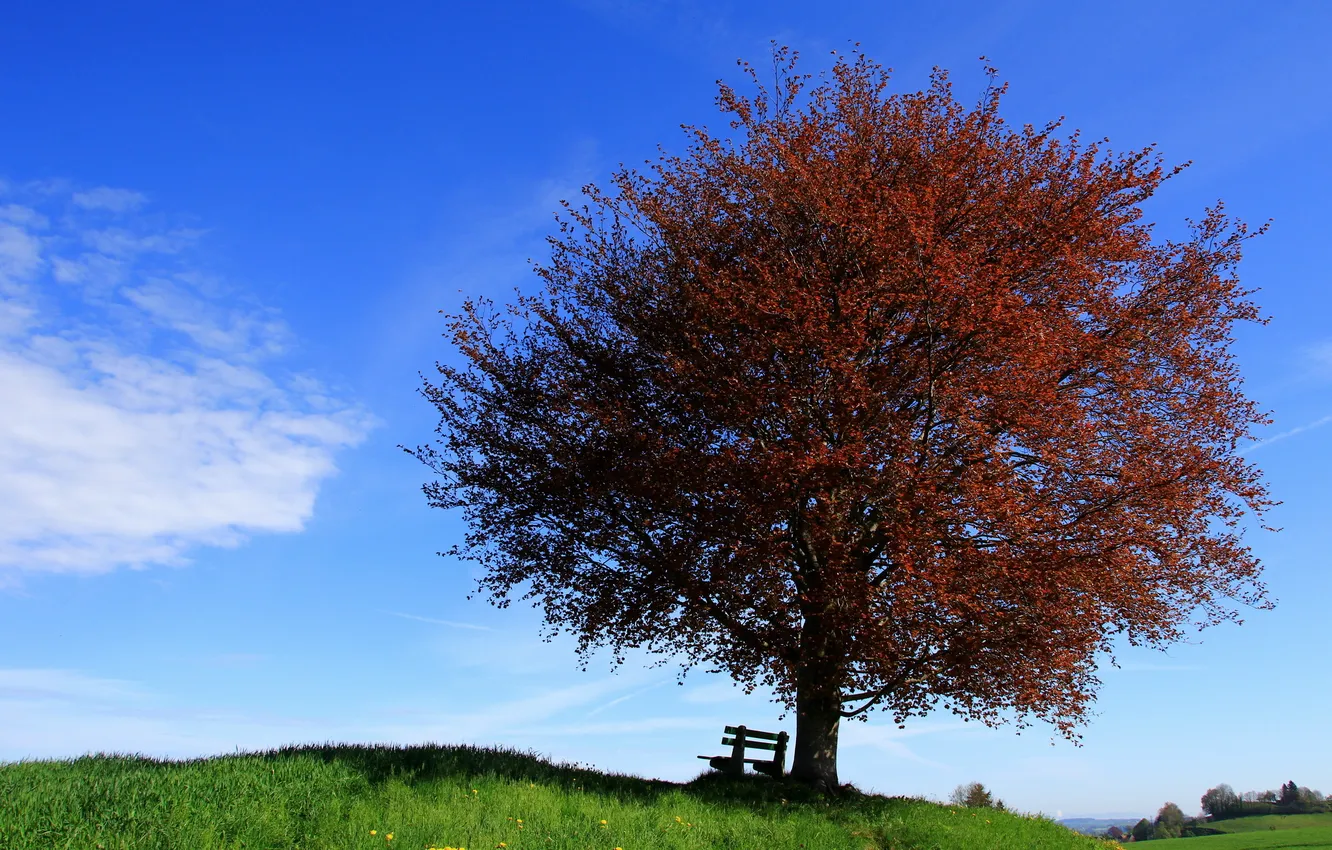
[388, 837]
[372, 832]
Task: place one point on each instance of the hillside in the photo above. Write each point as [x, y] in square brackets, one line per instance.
[341, 796]
[1266, 832]
[1272, 839]
[1266, 823]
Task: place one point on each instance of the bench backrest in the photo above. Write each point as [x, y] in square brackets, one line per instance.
[749, 738]
[757, 740]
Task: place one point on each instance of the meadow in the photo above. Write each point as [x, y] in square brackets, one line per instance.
[1266, 823]
[1266, 831]
[1266, 839]
[385, 798]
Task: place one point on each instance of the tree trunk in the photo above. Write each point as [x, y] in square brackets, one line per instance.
[818, 713]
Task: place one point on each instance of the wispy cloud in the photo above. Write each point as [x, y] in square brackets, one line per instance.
[632, 727]
[106, 198]
[62, 714]
[1321, 355]
[66, 685]
[626, 697]
[1284, 434]
[452, 623]
[889, 739]
[148, 418]
[236, 659]
[121, 243]
[503, 717]
[482, 252]
[57, 714]
[714, 692]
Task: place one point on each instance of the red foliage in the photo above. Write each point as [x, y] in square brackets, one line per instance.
[886, 402]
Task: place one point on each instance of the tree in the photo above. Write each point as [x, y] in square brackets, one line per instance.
[1290, 794]
[882, 406]
[1220, 802]
[1169, 822]
[1114, 833]
[973, 795]
[1142, 830]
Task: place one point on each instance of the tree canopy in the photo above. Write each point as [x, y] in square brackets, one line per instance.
[881, 404]
[1169, 822]
[1220, 802]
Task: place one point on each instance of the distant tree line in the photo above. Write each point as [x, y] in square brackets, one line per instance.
[1222, 803]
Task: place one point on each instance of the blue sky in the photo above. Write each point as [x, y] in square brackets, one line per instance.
[225, 234]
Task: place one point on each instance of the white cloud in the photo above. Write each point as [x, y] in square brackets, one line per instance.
[97, 272]
[106, 198]
[232, 331]
[25, 216]
[120, 452]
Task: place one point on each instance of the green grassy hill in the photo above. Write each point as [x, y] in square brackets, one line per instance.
[1267, 832]
[1272, 839]
[384, 798]
[1265, 823]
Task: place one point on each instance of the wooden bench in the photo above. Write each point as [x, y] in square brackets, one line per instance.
[734, 764]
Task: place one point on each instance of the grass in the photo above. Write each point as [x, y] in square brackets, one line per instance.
[1265, 823]
[391, 798]
[1267, 839]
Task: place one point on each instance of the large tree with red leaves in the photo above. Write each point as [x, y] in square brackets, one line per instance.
[881, 404]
